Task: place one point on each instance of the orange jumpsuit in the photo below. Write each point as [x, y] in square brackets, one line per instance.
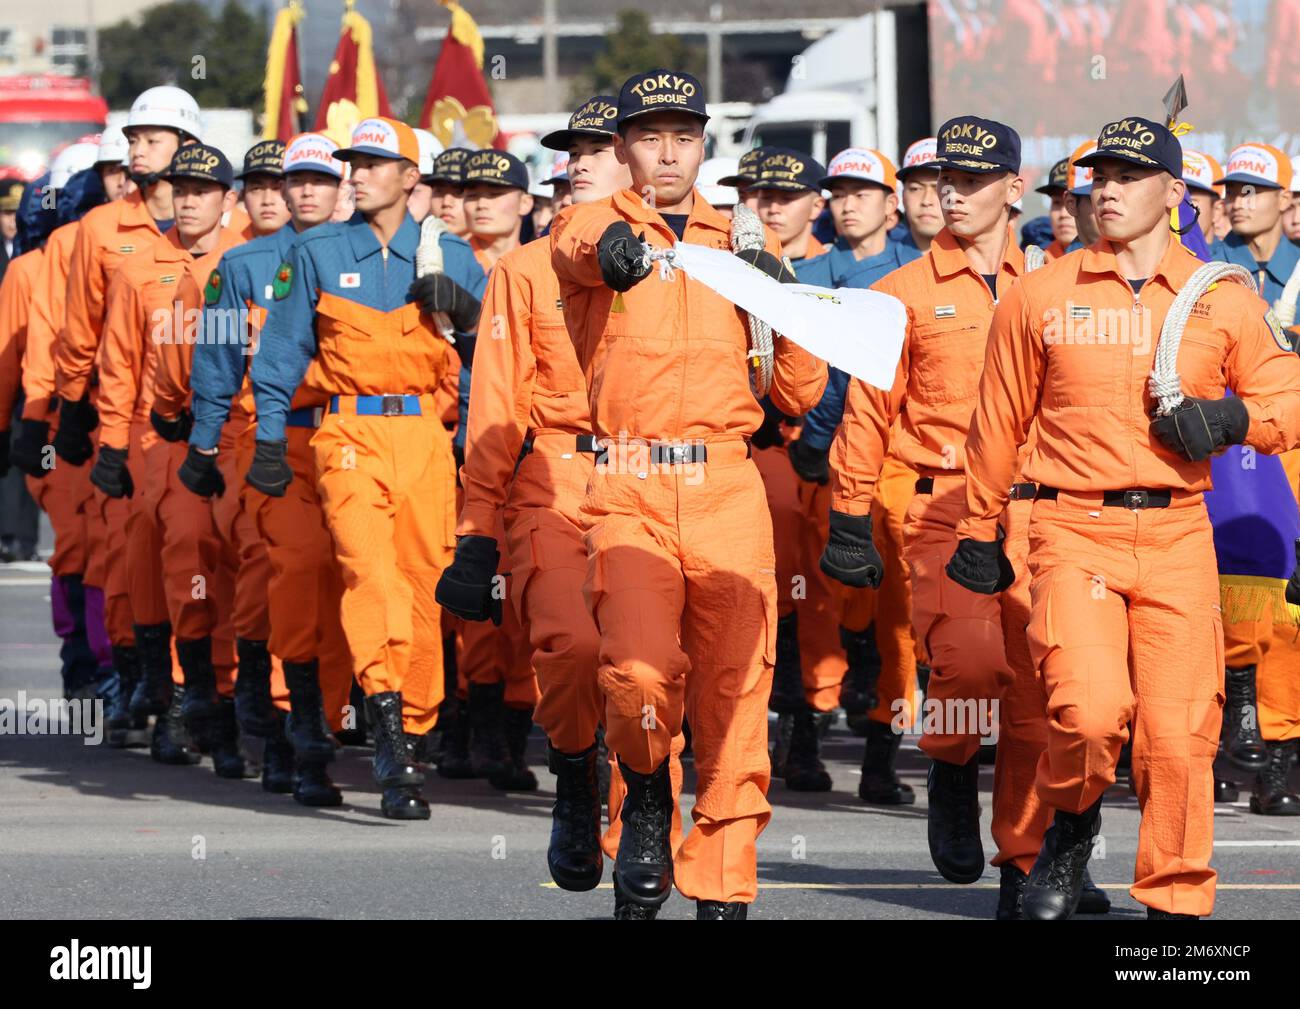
[949, 307]
[15, 311]
[1125, 622]
[681, 571]
[153, 302]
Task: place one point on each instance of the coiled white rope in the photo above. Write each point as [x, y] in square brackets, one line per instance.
[1034, 258]
[747, 233]
[428, 259]
[1284, 307]
[1165, 384]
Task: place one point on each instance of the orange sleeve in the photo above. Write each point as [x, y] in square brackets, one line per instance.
[79, 342]
[15, 302]
[798, 378]
[122, 361]
[42, 336]
[575, 233]
[1010, 387]
[500, 399]
[171, 380]
[1267, 379]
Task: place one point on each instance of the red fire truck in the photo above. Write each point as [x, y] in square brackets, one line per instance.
[41, 113]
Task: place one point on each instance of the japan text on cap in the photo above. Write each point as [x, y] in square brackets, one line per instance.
[449, 166]
[747, 168]
[862, 164]
[596, 117]
[1200, 172]
[790, 170]
[1078, 178]
[312, 152]
[972, 144]
[661, 91]
[199, 161]
[382, 138]
[920, 155]
[266, 157]
[559, 170]
[1259, 164]
[497, 168]
[1057, 179]
[1139, 142]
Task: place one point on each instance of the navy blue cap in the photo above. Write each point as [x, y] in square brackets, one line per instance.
[972, 144]
[498, 168]
[597, 117]
[266, 157]
[783, 168]
[1139, 142]
[1057, 179]
[199, 161]
[661, 90]
[449, 166]
[747, 169]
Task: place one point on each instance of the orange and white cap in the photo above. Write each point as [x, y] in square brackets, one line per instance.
[1078, 178]
[1200, 172]
[312, 152]
[922, 154]
[382, 138]
[863, 164]
[1260, 165]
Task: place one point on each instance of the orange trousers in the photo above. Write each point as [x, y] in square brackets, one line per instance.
[1272, 646]
[681, 583]
[1125, 626]
[387, 487]
[64, 494]
[237, 527]
[305, 585]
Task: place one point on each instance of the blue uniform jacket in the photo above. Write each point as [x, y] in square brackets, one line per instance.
[1278, 270]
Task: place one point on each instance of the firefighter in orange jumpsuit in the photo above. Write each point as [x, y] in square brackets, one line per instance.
[950, 295]
[680, 573]
[151, 314]
[160, 121]
[1125, 623]
[344, 324]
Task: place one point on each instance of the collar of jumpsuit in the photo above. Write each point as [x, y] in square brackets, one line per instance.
[1175, 266]
[1280, 266]
[949, 257]
[630, 204]
[364, 242]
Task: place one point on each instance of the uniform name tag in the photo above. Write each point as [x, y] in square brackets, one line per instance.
[1080, 311]
[127, 249]
[349, 280]
[945, 311]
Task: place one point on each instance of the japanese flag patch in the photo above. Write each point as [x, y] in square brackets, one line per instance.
[349, 280]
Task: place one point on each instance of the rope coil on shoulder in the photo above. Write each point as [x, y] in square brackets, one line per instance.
[747, 233]
[1165, 384]
[1034, 258]
[428, 259]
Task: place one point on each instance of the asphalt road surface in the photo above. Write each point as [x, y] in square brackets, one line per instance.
[90, 832]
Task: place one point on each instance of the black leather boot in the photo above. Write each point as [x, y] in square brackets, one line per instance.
[357, 735]
[124, 729]
[253, 707]
[395, 768]
[880, 784]
[308, 731]
[787, 676]
[1092, 898]
[1242, 743]
[779, 752]
[153, 688]
[312, 787]
[514, 775]
[170, 742]
[858, 690]
[954, 820]
[227, 761]
[625, 910]
[643, 869]
[453, 746]
[604, 773]
[804, 770]
[717, 910]
[1225, 790]
[277, 760]
[1154, 914]
[201, 709]
[487, 737]
[1011, 890]
[1056, 880]
[574, 856]
[1271, 797]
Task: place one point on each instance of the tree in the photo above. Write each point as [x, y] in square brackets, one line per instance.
[631, 48]
[219, 61]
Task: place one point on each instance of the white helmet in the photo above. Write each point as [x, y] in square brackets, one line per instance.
[113, 147]
[1295, 174]
[707, 181]
[71, 160]
[169, 107]
[429, 149]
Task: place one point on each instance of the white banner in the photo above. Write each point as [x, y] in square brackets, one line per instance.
[858, 331]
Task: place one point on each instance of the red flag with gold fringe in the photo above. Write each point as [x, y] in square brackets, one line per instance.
[353, 90]
[285, 102]
[458, 107]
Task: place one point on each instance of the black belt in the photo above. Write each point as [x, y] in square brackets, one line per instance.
[1019, 491]
[1134, 499]
[582, 443]
[673, 453]
[925, 485]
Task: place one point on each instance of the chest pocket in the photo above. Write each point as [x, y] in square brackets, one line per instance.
[1200, 360]
[946, 357]
[557, 362]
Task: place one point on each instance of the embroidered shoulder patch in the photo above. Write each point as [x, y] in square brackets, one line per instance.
[213, 289]
[283, 281]
[1275, 327]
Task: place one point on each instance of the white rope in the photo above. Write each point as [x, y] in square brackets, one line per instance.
[1034, 258]
[1165, 385]
[1284, 307]
[428, 259]
[747, 233]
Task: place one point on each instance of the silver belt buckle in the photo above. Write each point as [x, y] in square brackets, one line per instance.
[1135, 499]
[393, 406]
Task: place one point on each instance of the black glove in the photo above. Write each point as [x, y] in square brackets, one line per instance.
[465, 344]
[981, 567]
[619, 253]
[812, 464]
[437, 292]
[174, 430]
[1293, 585]
[768, 263]
[850, 557]
[29, 448]
[110, 474]
[466, 588]
[199, 473]
[270, 473]
[77, 418]
[1200, 427]
[4, 453]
